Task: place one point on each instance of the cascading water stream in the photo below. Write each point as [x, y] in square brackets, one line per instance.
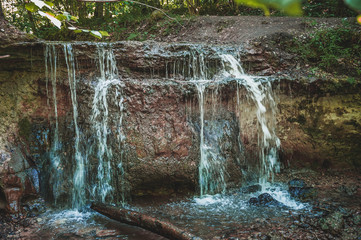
[98, 137]
[78, 194]
[261, 94]
[211, 168]
[107, 81]
[51, 63]
[105, 123]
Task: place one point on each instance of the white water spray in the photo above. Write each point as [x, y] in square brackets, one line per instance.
[261, 94]
[78, 198]
[55, 158]
[211, 167]
[108, 80]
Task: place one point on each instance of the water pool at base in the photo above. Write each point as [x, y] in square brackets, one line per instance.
[207, 216]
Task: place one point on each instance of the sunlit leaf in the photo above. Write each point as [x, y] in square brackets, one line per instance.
[49, 3]
[77, 31]
[52, 19]
[354, 4]
[40, 4]
[72, 28]
[85, 30]
[31, 7]
[61, 17]
[50, 13]
[104, 33]
[74, 18]
[291, 7]
[96, 34]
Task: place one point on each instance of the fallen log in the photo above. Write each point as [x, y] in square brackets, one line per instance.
[152, 224]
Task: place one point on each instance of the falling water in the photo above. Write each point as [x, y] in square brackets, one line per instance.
[78, 198]
[211, 166]
[261, 94]
[55, 158]
[107, 81]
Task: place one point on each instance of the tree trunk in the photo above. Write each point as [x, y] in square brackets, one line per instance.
[162, 228]
[2, 16]
[82, 11]
[98, 11]
[32, 22]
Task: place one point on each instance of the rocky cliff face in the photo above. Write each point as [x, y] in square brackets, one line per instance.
[318, 121]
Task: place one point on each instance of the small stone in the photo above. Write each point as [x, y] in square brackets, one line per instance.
[349, 190]
[356, 219]
[297, 183]
[333, 223]
[60, 221]
[106, 233]
[304, 193]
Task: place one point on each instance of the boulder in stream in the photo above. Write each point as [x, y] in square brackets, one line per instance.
[265, 199]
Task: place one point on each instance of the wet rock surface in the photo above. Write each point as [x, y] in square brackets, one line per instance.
[161, 117]
[298, 189]
[265, 199]
[331, 215]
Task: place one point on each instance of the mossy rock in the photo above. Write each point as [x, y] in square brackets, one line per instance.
[24, 128]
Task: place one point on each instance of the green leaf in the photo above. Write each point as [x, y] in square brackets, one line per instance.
[354, 4]
[74, 18]
[96, 34]
[132, 36]
[291, 7]
[31, 7]
[40, 4]
[61, 17]
[104, 33]
[49, 3]
[67, 15]
[52, 19]
[50, 14]
[85, 30]
[255, 4]
[77, 31]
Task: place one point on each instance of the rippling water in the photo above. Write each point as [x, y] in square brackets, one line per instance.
[205, 216]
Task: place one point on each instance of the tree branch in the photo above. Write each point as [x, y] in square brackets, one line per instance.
[162, 228]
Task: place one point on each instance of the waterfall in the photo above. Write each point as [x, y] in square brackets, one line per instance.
[106, 119]
[108, 80]
[211, 167]
[105, 122]
[261, 94]
[78, 194]
[55, 158]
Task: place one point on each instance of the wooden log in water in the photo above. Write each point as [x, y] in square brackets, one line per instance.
[152, 224]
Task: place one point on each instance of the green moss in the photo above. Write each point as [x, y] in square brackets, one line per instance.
[335, 50]
[300, 119]
[24, 128]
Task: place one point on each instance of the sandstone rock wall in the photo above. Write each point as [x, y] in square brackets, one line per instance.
[318, 122]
